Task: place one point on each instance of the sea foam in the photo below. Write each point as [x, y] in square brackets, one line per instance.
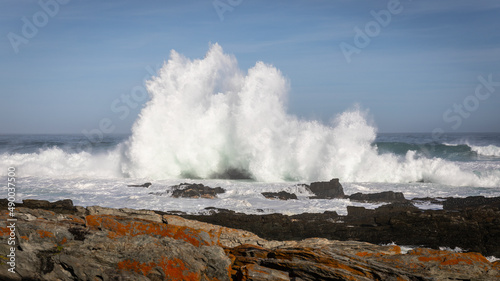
[207, 118]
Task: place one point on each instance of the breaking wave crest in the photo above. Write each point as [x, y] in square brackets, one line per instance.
[489, 150]
[206, 118]
[59, 163]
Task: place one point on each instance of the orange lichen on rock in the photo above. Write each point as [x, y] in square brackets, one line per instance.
[395, 249]
[118, 227]
[74, 219]
[448, 258]
[4, 231]
[174, 269]
[366, 254]
[189, 235]
[392, 250]
[426, 252]
[4, 214]
[45, 234]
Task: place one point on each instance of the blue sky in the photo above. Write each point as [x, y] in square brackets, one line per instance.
[418, 72]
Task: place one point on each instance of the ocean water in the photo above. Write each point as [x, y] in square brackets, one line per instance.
[209, 122]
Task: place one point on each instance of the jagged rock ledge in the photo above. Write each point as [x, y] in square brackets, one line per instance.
[59, 241]
[474, 229]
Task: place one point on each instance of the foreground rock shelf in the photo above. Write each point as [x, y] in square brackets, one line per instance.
[58, 241]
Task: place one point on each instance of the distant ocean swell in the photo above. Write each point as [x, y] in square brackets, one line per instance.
[208, 119]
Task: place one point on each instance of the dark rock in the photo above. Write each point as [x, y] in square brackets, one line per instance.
[282, 195]
[65, 204]
[4, 202]
[79, 233]
[471, 202]
[274, 226]
[146, 185]
[62, 206]
[360, 216]
[475, 229]
[194, 190]
[327, 190]
[36, 204]
[386, 196]
[399, 207]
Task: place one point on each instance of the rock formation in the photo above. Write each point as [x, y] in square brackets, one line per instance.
[193, 190]
[473, 229]
[386, 196]
[282, 195]
[327, 190]
[59, 241]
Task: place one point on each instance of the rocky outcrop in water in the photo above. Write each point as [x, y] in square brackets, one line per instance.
[193, 190]
[386, 196]
[59, 241]
[145, 185]
[282, 195]
[326, 190]
[471, 203]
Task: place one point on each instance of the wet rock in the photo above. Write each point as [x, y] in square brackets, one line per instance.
[472, 229]
[398, 207]
[282, 195]
[36, 204]
[360, 216]
[274, 226]
[65, 206]
[146, 185]
[327, 190]
[386, 196]
[193, 190]
[471, 202]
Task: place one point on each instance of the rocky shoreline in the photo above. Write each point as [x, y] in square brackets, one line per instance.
[474, 229]
[472, 223]
[60, 241]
